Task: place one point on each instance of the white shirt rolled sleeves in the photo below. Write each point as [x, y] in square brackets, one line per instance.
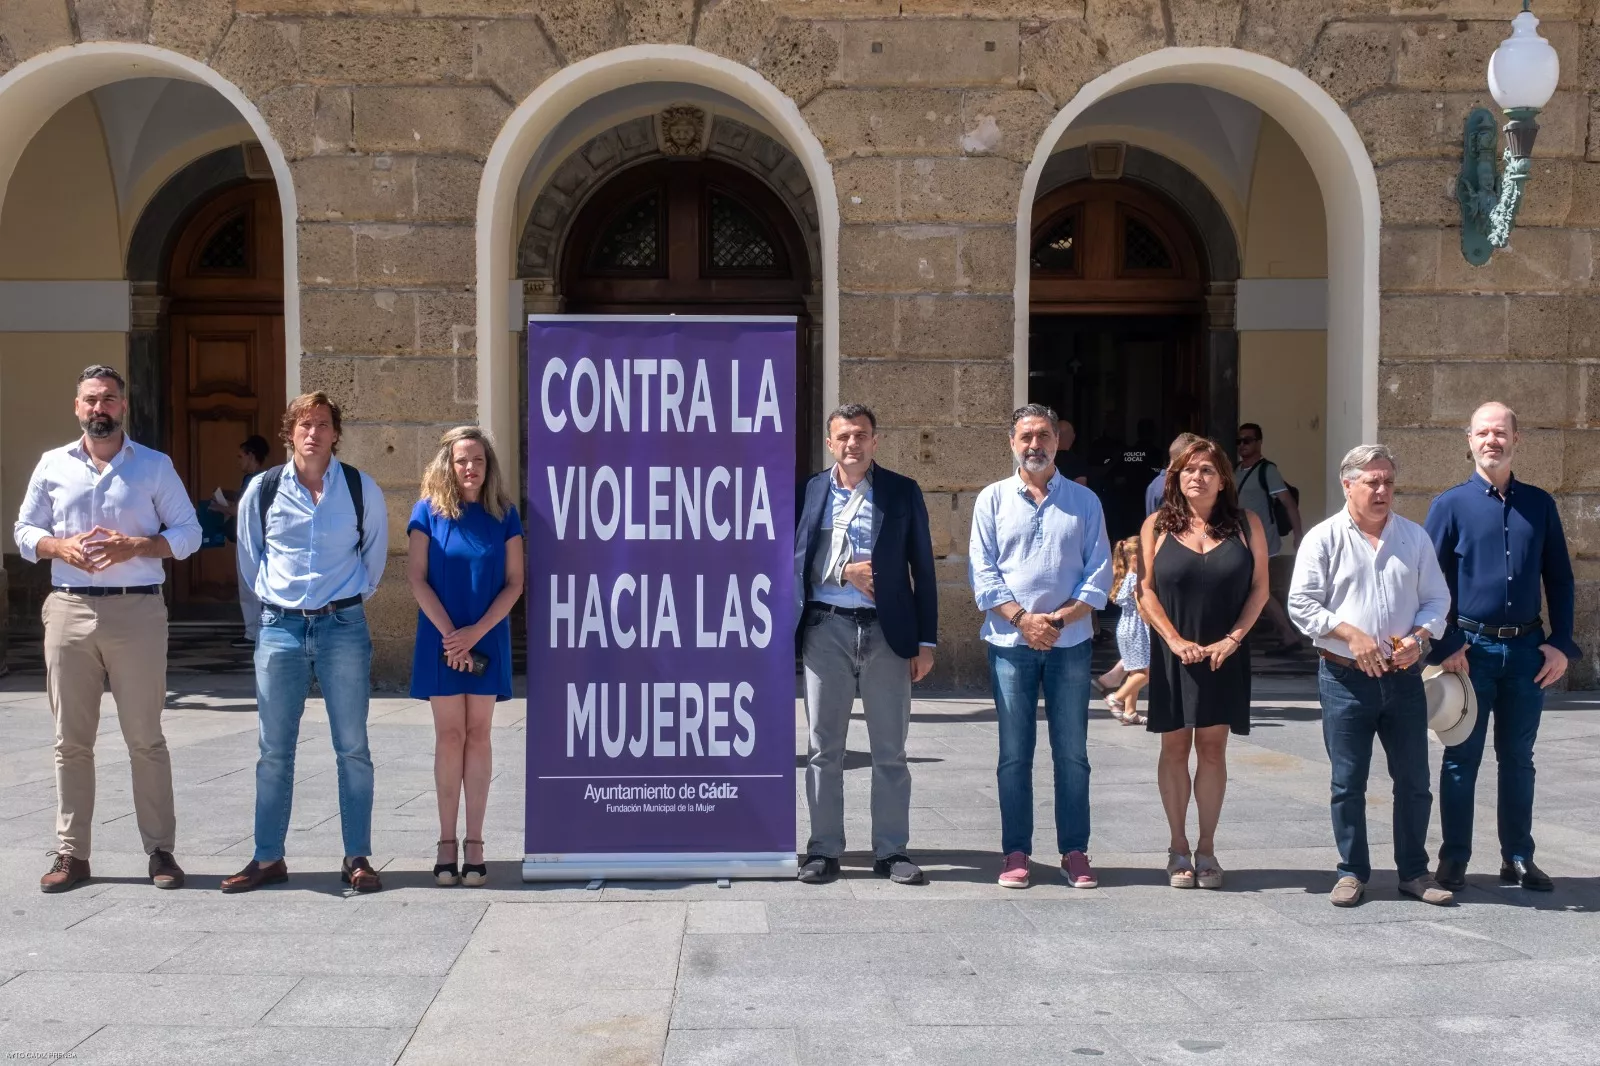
[1387, 592]
[136, 495]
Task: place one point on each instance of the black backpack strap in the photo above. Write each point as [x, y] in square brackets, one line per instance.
[269, 492]
[352, 482]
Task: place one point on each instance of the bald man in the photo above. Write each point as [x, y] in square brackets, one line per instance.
[1500, 544]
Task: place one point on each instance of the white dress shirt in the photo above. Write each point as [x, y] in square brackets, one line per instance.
[1384, 592]
[136, 495]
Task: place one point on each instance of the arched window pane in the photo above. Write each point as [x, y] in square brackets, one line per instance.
[632, 240]
[1057, 252]
[227, 250]
[736, 239]
[1142, 249]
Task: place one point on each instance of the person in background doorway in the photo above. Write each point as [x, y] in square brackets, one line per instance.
[465, 566]
[1259, 484]
[314, 541]
[106, 511]
[1073, 467]
[868, 612]
[1133, 636]
[1205, 579]
[1040, 565]
[252, 460]
[1156, 491]
[1500, 545]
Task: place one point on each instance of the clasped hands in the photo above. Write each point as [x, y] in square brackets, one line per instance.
[1370, 658]
[99, 548]
[458, 645]
[1190, 653]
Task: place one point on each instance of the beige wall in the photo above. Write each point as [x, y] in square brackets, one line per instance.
[37, 372]
[1283, 375]
[59, 219]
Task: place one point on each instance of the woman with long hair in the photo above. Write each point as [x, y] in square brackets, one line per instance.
[1204, 583]
[465, 566]
[1133, 636]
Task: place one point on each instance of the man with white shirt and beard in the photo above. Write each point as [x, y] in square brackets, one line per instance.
[1368, 591]
[105, 511]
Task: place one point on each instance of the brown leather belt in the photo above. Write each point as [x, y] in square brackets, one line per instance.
[1351, 664]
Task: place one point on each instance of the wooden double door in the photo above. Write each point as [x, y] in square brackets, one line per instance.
[225, 369]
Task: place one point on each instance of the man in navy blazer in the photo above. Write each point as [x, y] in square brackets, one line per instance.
[869, 614]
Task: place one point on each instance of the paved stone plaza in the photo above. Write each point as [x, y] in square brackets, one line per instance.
[860, 971]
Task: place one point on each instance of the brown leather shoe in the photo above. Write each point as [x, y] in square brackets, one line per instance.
[68, 871]
[254, 875]
[164, 870]
[359, 875]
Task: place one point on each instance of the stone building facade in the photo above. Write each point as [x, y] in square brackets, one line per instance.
[1282, 173]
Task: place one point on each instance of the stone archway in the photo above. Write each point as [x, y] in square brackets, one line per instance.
[1331, 144]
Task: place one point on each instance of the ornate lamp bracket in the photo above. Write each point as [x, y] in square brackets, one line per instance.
[1489, 200]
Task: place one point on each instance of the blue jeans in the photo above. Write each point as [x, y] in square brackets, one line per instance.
[337, 649]
[1502, 673]
[1393, 708]
[1016, 675]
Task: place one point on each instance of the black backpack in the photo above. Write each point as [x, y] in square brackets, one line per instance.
[270, 480]
[1280, 513]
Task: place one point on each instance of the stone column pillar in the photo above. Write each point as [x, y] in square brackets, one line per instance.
[1222, 364]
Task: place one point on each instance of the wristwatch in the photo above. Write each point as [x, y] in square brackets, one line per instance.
[1057, 623]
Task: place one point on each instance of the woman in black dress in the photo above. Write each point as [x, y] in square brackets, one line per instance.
[1205, 581]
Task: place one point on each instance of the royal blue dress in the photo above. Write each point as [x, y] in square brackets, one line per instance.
[466, 570]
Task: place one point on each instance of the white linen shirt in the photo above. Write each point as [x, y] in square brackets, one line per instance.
[1387, 592]
[307, 557]
[137, 494]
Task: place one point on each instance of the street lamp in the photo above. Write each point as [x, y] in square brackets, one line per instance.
[1523, 73]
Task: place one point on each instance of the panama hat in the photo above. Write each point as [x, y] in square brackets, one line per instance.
[1452, 705]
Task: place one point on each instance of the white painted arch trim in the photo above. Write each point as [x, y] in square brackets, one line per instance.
[1349, 186]
[35, 90]
[537, 117]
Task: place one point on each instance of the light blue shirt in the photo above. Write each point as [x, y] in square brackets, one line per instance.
[312, 558]
[1038, 555]
[138, 494]
[861, 534]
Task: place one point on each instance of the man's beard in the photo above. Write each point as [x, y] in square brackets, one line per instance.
[1035, 460]
[100, 426]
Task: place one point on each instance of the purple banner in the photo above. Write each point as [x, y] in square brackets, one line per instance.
[661, 679]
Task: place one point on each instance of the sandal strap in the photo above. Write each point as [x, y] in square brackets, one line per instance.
[469, 841]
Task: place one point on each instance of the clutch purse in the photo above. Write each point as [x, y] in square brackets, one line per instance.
[480, 662]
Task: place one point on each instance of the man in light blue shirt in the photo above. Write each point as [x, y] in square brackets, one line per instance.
[1041, 565]
[313, 539]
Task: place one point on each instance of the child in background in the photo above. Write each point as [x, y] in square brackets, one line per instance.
[1133, 636]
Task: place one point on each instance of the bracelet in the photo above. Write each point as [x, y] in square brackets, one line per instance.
[1236, 641]
[1018, 616]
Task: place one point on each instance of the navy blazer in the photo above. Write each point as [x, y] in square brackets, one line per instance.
[905, 590]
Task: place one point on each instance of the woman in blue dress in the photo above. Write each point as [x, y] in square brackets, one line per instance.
[465, 568]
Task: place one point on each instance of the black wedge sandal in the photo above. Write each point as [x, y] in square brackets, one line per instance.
[474, 874]
[446, 874]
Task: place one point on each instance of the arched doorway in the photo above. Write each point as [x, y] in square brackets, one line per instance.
[225, 360]
[1117, 330]
[699, 237]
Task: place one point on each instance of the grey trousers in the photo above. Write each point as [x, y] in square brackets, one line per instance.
[843, 660]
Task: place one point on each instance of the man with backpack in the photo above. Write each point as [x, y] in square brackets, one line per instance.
[313, 540]
[1263, 490]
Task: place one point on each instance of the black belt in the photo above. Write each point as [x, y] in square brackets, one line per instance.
[859, 615]
[312, 612]
[1498, 632]
[93, 590]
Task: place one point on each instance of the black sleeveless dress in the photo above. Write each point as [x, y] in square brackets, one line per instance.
[1202, 595]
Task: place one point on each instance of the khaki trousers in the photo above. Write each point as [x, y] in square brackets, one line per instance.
[85, 639]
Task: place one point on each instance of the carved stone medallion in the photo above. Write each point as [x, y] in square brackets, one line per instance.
[681, 130]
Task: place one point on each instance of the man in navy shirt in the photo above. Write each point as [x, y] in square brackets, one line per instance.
[1498, 539]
